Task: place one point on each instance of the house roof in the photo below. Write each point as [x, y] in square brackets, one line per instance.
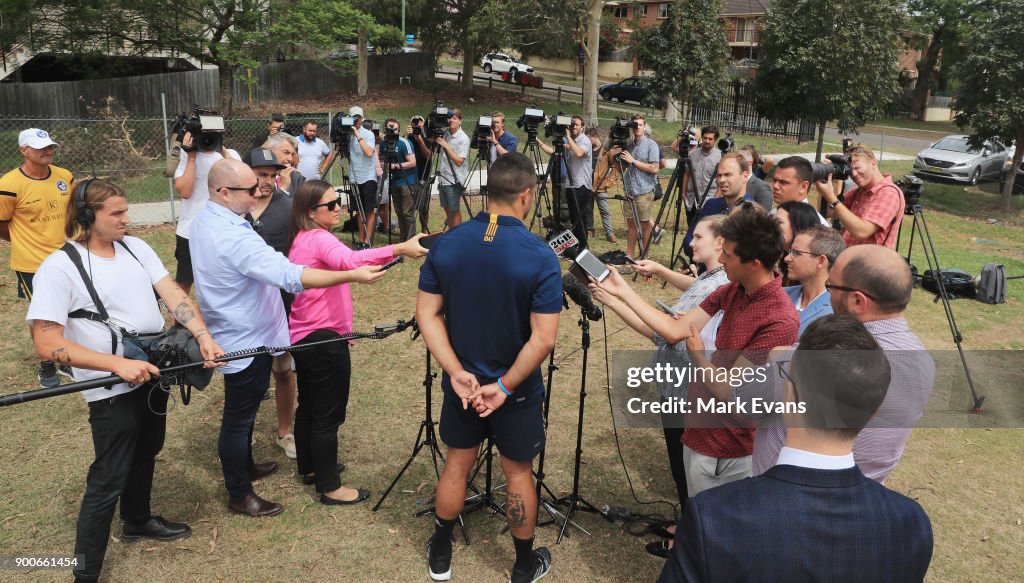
[745, 7]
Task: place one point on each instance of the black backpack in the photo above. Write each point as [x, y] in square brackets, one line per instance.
[958, 283]
[992, 284]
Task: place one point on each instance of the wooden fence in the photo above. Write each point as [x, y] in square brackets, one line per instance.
[141, 94]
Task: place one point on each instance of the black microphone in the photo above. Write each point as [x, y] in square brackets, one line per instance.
[581, 296]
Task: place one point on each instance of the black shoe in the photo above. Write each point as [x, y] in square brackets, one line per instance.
[361, 495]
[156, 528]
[658, 548]
[65, 370]
[439, 566]
[260, 471]
[48, 375]
[310, 480]
[541, 566]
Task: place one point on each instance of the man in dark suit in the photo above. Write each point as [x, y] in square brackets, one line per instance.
[814, 516]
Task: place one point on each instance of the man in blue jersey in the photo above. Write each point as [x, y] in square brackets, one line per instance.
[488, 308]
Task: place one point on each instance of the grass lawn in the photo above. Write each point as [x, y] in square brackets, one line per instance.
[967, 478]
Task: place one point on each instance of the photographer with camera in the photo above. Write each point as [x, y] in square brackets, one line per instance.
[363, 172]
[454, 170]
[578, 165]
[704, 160]
[401, 165]
[872, 212]
[638, 181]
[192, 185]
[422, 145]
[128, 419]
[275, 125]
[502, 142]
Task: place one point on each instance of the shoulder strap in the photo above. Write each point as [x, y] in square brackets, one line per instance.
[76, 258]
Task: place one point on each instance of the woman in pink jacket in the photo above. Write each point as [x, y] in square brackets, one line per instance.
[324, 372]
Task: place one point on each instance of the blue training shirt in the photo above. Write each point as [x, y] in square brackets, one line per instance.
[492, 273]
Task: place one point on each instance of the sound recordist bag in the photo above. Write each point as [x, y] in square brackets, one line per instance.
[992, 284]
[172, 347]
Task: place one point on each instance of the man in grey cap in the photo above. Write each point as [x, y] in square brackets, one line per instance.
[33, 200]
[269, 217]
[362, 156]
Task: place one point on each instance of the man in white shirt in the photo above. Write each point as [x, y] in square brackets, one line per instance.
[311, 151]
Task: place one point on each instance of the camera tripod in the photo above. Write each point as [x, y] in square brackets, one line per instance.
[347, 187]
[426, 184]
[933, 264]
[479, 167]
[674, 191]
[560, 205]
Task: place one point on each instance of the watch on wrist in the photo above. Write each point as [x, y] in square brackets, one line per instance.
[835, 204]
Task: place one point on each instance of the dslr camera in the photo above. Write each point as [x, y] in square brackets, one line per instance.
[557, 125]
[726, 144]
[437, 120]
[622, 131]
[839, 168]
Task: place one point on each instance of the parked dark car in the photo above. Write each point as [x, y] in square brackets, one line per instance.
[630, 89]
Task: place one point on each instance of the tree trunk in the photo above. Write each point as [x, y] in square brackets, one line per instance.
[468, 60]
[821, 142]
[672, 109]
[362, 83]
[226, 80]
[1006, 195]
[926, 73]
[591, 61]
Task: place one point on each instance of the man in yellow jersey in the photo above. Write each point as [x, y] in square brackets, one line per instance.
[33, 200]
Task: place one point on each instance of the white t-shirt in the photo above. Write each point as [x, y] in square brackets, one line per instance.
[310, 155]
[191, 206]
[124, 286]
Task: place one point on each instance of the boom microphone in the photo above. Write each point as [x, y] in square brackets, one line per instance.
[581, 296]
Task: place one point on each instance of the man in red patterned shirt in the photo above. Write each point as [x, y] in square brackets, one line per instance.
[757, 316]
[872, 212]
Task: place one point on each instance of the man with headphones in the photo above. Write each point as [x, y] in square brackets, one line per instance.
[32, 202]
[128, 419]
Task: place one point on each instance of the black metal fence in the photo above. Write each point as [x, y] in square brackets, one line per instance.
[735, 112]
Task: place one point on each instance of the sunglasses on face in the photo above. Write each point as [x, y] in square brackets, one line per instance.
[250, 189]
[331, 205]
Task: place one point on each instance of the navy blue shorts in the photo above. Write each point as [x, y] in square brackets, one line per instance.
[25, 285]
[517, 426]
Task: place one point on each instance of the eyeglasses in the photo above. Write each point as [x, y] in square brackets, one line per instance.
[331, 204]
[831, 286]
[797, 253]
[250, 189]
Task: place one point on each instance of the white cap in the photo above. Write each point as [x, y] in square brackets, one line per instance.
[35, 138]
[355, 110]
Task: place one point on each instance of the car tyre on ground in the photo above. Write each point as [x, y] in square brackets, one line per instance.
[487, 67]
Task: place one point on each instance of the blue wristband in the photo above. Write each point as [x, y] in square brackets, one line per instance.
[501, 386]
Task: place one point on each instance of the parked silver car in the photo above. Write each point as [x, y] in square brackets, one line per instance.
[952, 158]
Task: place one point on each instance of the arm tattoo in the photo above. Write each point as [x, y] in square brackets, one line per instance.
[515, 510]
[61, 356]
[184, 313]
[46, 326]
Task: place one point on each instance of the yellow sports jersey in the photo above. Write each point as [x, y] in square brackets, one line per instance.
[35, 209]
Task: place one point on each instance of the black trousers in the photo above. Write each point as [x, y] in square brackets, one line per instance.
[673, 427]
[585, 202]
[127, 434]
[323, 375]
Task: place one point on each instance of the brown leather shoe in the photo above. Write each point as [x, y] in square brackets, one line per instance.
[611, 239]
[260, 471]
[253, 505]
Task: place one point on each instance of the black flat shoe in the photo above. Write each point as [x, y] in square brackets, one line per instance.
[363, 495]
[156, 528]
[658, 548]
[310, 480]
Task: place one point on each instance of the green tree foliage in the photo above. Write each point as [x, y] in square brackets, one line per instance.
[990, 97]
[825, 61]
[938, 24]
[688, 53]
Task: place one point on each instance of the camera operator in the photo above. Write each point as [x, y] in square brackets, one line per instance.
[422, 146]
[192, 185]
[363, 171]
[638, 182]
[454, 170]
[311, 150]
[502, 142]
[128, 419]
[275, 125]
[872, 212]
[402, 167]
[704, 160]
[578, 163]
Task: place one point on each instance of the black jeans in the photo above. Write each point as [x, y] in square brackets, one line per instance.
[585, 201]
[127, 433]
[243, 393]
[672, 426]
[323, 376]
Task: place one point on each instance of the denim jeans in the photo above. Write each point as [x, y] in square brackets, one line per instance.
[127, 433]
[243, 393]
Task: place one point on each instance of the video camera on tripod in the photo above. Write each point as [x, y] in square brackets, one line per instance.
[341, 132]
[621, 132]
[557, 125]
[482, 133]
[531, 119]
[437, 120]
[912, 188]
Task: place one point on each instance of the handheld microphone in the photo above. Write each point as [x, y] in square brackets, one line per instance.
[581, 296]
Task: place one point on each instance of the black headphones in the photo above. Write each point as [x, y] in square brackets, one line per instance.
[84, 215]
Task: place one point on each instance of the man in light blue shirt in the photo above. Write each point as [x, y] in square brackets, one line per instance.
[814, 251]
[237, 277]
[362, 155]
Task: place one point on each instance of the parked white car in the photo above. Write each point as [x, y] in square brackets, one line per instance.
[500, 63]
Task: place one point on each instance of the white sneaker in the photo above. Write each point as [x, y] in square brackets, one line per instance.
[287, 443]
